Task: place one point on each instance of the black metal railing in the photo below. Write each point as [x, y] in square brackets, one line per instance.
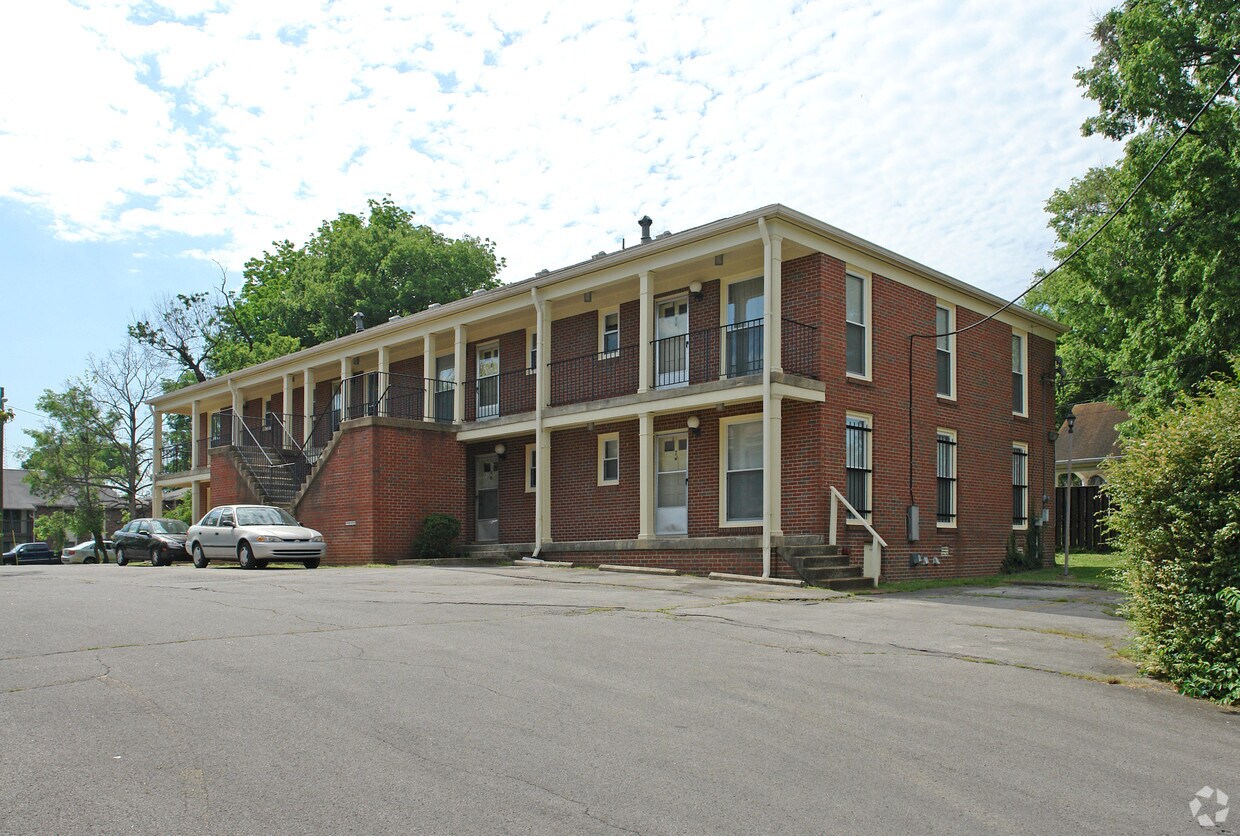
[591, 377]
[707, 354]
[799, 351]
[174, 457]
[495, 395]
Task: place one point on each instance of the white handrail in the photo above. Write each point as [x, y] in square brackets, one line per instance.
[872, 554]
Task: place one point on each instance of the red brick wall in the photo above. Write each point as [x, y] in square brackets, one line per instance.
[227, 485]
[516, 507]
[369, 478]
[581, 508]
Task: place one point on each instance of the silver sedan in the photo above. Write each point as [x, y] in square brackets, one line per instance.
[85, 553]
[253, 536]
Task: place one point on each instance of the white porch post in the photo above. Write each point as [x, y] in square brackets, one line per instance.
[307, 404]
[287, 409]
[773, 290]
[345, 386]
[157, 501]
[459, 364]
[385, 383]
[195, 432]
[645, 316]
[157, 443]
[772, 408]
[542, 438]
[195, 500]
[645, 475]
[429, 382]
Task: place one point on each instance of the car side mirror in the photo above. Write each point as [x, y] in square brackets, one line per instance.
[229, 525]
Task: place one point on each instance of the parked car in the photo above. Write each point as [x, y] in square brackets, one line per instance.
[156, 539]
[253, 535]
[30, 553]
[85, 553]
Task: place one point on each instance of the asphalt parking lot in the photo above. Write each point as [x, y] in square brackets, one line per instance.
[539, 700]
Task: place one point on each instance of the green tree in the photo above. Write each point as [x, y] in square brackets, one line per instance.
[1158, 291]
[72, 457]
[1175, 497]
[51, 528]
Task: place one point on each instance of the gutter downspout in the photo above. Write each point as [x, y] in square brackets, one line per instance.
[766, 398]
[542, 490]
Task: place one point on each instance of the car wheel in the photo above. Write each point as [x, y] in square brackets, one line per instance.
[245, 556]
[200, 559]
[311, 563]
[262, 564]
[157, 557]
[90, 560]
[121, 558]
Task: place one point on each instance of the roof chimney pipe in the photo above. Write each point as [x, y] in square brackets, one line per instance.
[359, 322]
[645, 224]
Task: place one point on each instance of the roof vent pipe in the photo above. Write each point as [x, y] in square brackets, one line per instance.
[359, 321]
[645, 224]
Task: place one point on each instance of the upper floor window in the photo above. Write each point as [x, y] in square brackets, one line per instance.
[743, 350]
[944, 348]
[609, 333]
[532, 341]
[856, 336]
[1018, 374]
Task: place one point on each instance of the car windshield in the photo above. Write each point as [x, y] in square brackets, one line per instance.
[264, 516]
[169, 527]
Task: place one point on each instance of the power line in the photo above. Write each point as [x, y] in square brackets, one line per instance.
[1166, 152]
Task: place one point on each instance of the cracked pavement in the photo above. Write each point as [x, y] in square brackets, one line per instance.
[542, 700]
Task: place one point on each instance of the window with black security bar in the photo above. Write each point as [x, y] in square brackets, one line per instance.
[857, 465]
[1020, 486]
[946, 472]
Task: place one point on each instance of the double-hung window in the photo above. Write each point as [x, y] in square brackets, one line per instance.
[856, 336]
[609, 333]
[945, 472]
[609, 459]
[531, 468]
[532, 352]
[857, 469]
[1020, 485]
[1018, 374]
[944, 346]
[743, 475]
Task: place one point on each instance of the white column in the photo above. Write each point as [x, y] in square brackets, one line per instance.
[645, 476]
[385, 383]
[157, 442]
[195, 432]
[459, 357]
[773, 299]
[157, 501]
[286, 419]
[542, 437]
[345, 385]
[236, 432]
[307, 404]
[428, 375]
[195, 501]
[645, 329]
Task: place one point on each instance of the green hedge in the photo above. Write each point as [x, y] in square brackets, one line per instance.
[1175, 498]
[438, 533]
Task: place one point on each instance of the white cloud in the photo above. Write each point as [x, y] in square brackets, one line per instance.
[936, 129]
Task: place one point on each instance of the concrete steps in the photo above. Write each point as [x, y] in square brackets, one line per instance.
[825, 566]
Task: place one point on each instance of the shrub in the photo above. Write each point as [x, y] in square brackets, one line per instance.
[1175, 498]
[437, 535]
[1017, 560]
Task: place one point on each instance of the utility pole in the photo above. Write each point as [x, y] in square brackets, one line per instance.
[4, 419]
[1067, 499]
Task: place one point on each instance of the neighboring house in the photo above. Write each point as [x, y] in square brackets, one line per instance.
[22, 506]
[1094, 440]
[689, 401]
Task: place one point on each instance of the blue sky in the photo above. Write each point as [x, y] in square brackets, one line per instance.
[146, 141]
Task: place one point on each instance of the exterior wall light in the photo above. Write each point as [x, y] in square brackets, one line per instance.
[695, 426]
[695, 289]
[500, 449]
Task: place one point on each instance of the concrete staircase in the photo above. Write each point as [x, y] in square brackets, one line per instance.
[826, 566]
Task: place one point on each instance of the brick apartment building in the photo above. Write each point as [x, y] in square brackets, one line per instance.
[714, 399]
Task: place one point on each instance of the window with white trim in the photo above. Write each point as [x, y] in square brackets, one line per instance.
[531, 468]
[609, 458]
[944, 348]
[609, 332]
[742, 461]
[1018, 374]
[1020, 485]
[857, 469]
[856, 327]
[532, 351]
[945, 472]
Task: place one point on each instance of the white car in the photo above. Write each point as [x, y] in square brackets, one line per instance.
[253, 535]
[85, 553]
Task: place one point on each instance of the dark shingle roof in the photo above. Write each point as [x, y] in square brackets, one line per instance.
[1095, 435]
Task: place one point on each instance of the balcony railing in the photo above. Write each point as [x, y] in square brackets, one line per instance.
[800, 348]
[606, 374]
[175, 457]
[695, 357]
[496, 395]
[388, 395]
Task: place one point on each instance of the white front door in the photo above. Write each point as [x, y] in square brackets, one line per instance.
[486, 498]
[671, 513]
[671, 346]
[488, 381]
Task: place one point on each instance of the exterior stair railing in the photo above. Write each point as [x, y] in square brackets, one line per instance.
[872, 552]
